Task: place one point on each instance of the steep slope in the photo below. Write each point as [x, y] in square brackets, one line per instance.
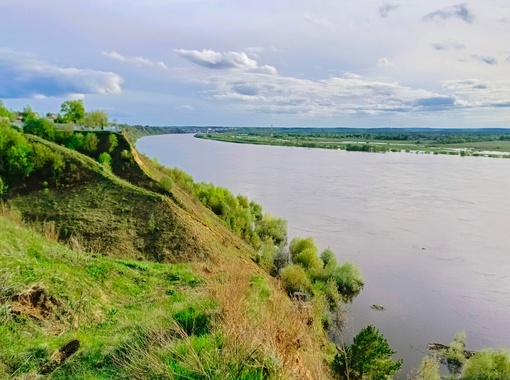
[139, 319]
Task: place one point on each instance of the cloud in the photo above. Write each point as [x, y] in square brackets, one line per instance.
[135, 61]
[448, 45]
[385, 9]
[384, 62]
[457, 11]
[485, 59]
[346, 95]
[228, 60]
[436, 102]
[25, 76]
[475, 93]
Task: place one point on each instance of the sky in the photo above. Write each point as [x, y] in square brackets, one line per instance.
[363, 63]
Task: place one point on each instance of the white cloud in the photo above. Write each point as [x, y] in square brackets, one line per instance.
[348, 94]
[135, 61]
[25, 76]
[384, 62]
[480, 93]
[228, 60]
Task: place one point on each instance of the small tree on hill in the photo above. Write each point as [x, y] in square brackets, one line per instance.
[368, 358]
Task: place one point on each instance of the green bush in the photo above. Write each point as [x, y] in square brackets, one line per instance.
[112, 142]
[90, 143]
[42, 127]
[488, 365]
[309, 260]
[166, 183]
[298, 245]
[106, 160]
[348, 279]
[328, 258]
[294, 279]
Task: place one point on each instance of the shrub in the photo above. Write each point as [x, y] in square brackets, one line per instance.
[488, 365]
[166, 183]
[274, 228]
[309, 260]
[90, 143]
[298, 245]
[106, 160]
[112, 142]
[294, 279]
[348, 279]
[43, 128]
[328, 258]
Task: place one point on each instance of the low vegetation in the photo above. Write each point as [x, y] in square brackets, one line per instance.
[463, 142]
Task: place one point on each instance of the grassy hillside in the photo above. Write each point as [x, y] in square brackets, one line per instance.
[138, 319]
[155, 286]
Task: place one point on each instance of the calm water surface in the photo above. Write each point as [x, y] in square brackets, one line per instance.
[430, 233]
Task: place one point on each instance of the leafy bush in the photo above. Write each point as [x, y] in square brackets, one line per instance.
[348, 279]
[309, 260]
[42, 127]
[328, 258]
[166, 183]
[488, 365]
[294, 279]
[106, 160]
[298, 245]
[273, 228]
[90, 143]
[112, 142]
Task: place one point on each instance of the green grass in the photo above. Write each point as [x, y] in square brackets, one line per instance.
[100, 301]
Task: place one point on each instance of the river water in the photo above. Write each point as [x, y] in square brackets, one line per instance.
[431, 234]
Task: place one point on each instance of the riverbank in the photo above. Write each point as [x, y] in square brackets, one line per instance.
[477, 143]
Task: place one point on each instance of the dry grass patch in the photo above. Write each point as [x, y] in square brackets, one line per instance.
[262, 324]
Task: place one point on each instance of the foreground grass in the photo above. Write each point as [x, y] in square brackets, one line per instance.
[111, 306]
[143, 320]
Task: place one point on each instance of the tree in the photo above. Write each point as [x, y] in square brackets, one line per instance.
[41, 127]
[28, 114]
[368, 358]
[488, 365]
[73, 111]
[454, 356]
[96, 119]
[4, 112]
[90, 142]
[112, 142]
[106, 160]
[428, 369]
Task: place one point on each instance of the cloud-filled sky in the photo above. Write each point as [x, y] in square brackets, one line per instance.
[420, 63]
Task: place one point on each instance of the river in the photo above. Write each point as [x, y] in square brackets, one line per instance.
[430, 233]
